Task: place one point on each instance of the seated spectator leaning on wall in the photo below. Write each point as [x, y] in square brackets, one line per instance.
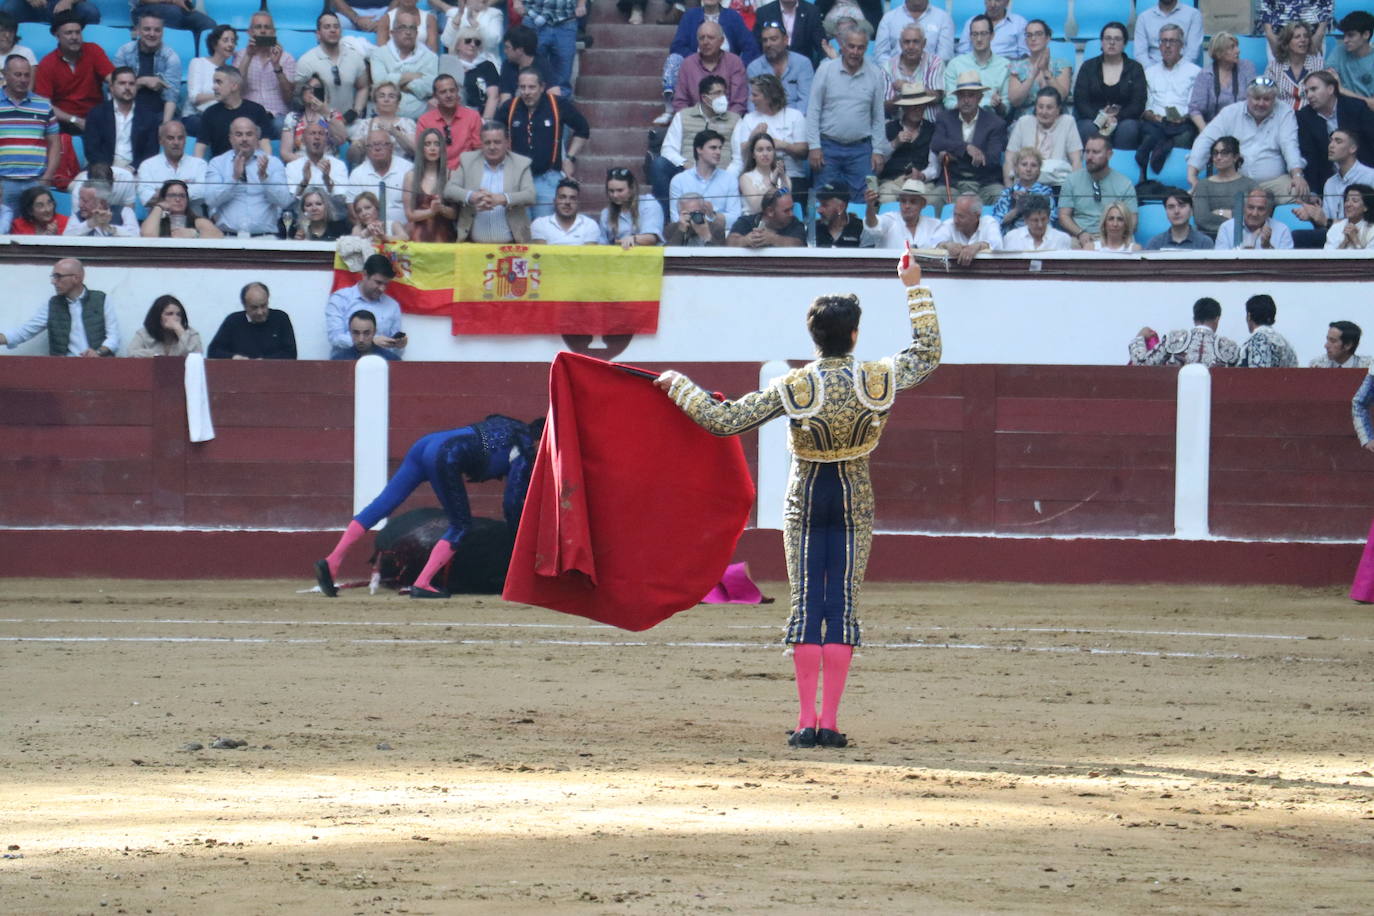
[969, 231]
[1199, 344]
[1258, 228]
[774, 226]
[257, 332]
[1036, 233]
[836, 227]
[1354, 231]
[907, 226]
[1266, 348]
[1342, 339]
[697, 225]
[79, 321]
[95, 218]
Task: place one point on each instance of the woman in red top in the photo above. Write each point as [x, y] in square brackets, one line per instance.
[429, 218]
[38, 214]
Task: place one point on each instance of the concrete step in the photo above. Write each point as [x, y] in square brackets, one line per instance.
[627, 36]
[638, 89]
[610, 114]
[618, 141]
[623, 62]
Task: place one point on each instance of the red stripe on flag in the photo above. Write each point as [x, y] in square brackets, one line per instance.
[413, 301]
[555, 317]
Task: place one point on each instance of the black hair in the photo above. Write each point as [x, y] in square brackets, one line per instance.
[218, 32]
[152, 322]
[1206, 309]
[1035, 203]
[704, 137]
[569, 183]
[832, 321]
[1358, 21]
[706, 82]
[365, 315]
[1350, 333]
[31, 195]
[1261, 309]
[1179, 195]
[1049, 32]
[522, 38]
[1049, 92]
[1367, 195]
[1115, 25]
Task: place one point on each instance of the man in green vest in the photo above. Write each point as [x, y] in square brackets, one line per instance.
[79, 321]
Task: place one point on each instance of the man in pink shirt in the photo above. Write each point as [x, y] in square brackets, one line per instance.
[712, 59]
[269, 71]
[460, 125]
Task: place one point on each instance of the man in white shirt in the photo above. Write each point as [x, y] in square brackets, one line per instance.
[1342, 337]
[79, 321]
[969, 230]
[1149, 23]
[1008, 31]
[934, 22]
[245, 187]
[316, 167]
[1037, 234]
[1259, 230]
[1165, 123]
[565, 226]
[342, 69]
[381, 167]
[95, 219]
[1268, 136]
[907, 225]
[171, 163]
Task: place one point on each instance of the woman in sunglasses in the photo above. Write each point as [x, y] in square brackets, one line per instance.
[475, 70]
[485, 17]
[629, 218]
[1214, 197]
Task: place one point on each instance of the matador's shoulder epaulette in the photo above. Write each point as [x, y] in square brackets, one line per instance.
[802, 391]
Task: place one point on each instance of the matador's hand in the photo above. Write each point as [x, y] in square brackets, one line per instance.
[907, 269]
[665, 381]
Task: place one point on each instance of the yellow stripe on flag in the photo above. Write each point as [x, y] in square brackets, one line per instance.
[556, 273]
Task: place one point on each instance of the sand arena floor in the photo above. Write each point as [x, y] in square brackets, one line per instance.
[1016, 749]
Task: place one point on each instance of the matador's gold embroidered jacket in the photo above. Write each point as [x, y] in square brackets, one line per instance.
[837, 405]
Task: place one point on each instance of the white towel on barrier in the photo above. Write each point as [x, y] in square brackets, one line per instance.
[198, 422]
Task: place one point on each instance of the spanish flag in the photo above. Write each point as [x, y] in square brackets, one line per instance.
[526, 289]
[556, 289]
[424, 276]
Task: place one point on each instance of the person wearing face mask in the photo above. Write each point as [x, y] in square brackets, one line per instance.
[712, 112]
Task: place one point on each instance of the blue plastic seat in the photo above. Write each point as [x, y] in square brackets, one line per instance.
[1123, 160]
[184, 44]
[63, 201]
[36, 37]
[1091, 15]
[113, 12]
[295, 14]
[1175, 171]
[296, 43]
[1151, 220]
[79, 147]
[1283, 213]
[1053, 12]
[1346, 7]
[1255, 49]
[891, 206]
[110, 37]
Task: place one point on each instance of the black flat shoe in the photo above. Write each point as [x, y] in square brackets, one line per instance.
[417, 592]
[828, 737]
[326, 579]
[803, 737]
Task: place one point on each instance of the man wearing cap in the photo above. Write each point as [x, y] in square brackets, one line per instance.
[370, 295]
[73, 74]
[907, 226]
[970, 142]
[914, 66]
[908, 137]
[993, 70]
[836, 227]
[844, 120]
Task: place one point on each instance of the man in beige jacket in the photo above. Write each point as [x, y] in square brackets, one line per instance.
[493, 187]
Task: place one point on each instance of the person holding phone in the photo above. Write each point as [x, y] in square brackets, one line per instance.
[269, 70]
[370, 295]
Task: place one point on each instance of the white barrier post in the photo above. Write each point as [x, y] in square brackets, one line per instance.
[1192, 452]
[371, 420]
[774, 460]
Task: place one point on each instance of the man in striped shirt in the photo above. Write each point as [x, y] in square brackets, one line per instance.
[29, 142]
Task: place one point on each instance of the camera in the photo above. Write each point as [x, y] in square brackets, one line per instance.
[697, 217]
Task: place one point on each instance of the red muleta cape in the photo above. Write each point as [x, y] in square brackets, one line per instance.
[633, 510]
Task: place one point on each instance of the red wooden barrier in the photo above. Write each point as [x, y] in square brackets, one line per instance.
[1285, 460]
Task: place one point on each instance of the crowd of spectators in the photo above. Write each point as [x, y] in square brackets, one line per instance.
[971, 136]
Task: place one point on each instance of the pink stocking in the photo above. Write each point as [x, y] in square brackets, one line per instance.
[346, 540]
[438, 559]
[806, 659]
[836, 657]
